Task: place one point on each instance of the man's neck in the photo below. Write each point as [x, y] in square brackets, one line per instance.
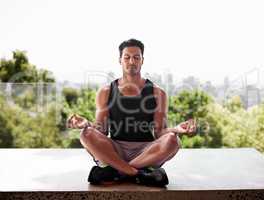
[131, 79]
[131, 85]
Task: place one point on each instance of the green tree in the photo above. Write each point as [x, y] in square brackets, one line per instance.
[37, 131]
[71, 95]
[85, 106]
[19, 70]
[6, 137]
[234, 104]
[186, 105]
[22, 129]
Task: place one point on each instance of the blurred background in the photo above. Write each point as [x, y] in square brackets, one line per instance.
[207, 56]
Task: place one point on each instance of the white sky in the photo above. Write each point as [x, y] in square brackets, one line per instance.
[208, 39]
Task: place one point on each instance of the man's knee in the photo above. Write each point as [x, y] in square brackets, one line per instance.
[172, 141]
[88, 134]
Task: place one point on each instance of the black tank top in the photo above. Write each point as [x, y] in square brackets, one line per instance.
[131, 118]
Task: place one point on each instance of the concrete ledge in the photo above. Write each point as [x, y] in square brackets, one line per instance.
[193, 173]
[121, 195]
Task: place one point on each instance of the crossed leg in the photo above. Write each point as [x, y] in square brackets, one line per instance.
[161, 150]
[101, 147]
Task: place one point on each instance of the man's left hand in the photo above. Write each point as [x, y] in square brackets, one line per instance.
[188, 127]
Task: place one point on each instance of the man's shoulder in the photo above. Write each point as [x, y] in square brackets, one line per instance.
[102, 95]
[105, 87]
[104, 90]
[158, 90]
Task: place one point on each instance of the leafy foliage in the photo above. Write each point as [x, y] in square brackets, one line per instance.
[84, 106]
[188, 105]
[19, 70]
[23, 126]
[6, 137]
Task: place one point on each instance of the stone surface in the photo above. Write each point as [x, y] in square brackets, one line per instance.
[193, 174]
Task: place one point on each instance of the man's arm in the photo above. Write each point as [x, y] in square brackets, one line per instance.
[160, 117]
[101, 114]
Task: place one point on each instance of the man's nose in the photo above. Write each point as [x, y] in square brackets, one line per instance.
[131, 60]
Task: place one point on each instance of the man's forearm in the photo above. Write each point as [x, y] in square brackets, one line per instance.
[101, 127]
[167, 130]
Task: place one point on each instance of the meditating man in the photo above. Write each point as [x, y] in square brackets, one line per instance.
[133, 111]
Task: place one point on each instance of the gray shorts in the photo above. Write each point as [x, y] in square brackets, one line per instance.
[130, 150]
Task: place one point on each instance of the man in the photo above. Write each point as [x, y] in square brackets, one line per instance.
[134, 111]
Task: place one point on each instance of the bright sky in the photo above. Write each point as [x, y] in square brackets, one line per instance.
[207, 39]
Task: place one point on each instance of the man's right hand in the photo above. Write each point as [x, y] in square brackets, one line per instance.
[77, 122]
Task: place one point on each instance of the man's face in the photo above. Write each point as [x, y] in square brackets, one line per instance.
[131, 60]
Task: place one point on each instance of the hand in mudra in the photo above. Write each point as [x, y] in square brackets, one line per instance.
[77, 122]
[187, 128]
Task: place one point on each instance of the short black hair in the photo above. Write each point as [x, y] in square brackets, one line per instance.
[131, 43]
